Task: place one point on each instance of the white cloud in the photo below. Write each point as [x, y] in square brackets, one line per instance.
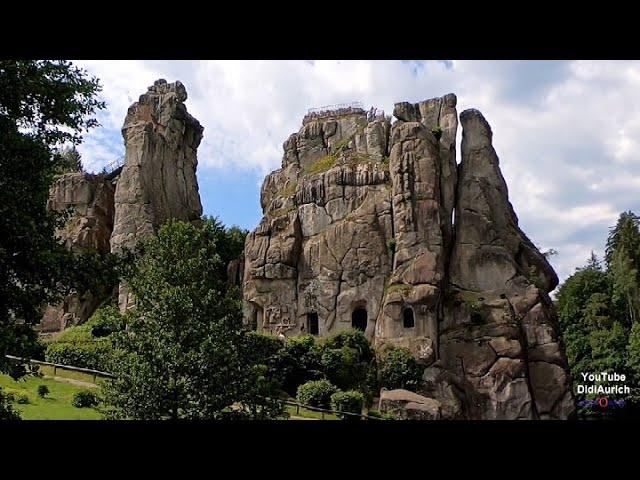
[566, 132]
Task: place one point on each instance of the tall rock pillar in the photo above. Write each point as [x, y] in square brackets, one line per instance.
[158, 180]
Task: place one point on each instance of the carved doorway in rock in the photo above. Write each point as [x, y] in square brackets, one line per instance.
[312, 323]
[408, 320]
[359, 319]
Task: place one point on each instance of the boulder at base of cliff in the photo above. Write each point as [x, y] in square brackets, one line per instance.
[406, 405]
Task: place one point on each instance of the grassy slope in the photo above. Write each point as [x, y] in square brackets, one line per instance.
[57, 405]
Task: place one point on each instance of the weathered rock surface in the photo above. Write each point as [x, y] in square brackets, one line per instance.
[406, 405]
[375, 226]
[158, 180]
[88, 200]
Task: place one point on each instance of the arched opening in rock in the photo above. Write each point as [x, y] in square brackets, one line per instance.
[359, 319]
[312, 323]
[408, 320]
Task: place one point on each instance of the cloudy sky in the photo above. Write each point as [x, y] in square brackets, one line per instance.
[567, 133]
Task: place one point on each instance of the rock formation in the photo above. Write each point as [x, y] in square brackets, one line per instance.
[374, 226]
[88, 200]
[158, 180]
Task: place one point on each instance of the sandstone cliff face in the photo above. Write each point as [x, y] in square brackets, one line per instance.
[88, 199]
[374, 226]
[158, 180]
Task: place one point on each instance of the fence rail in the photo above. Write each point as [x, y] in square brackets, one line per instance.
[98, 373]
[56, 366]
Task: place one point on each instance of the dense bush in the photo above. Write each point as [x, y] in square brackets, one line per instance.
[399, 369]
[23, 400]
[88, 345]
[43, 391]
[316, 393]
[106, 321]
[349, 401]
[85, 399]
[348, 362]
[299, 361]
[263, 348]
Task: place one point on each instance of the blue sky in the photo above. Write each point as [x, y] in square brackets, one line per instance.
[567, 132]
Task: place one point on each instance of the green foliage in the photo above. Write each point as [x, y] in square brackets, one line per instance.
[399, 369]
[289, 190]
[391, 245]
[263, 348]
[350, 401]
[43, 391]
[70, 161]
[89, 345]
[347, 360]
[43, 104]
[316, 393]
[184, 354]
[437, 132]
[299, 361]
[85, 399]
[6, 409]
[23, 400]
[633, 350]
[105, 321]
[626, 235]
[321, 165]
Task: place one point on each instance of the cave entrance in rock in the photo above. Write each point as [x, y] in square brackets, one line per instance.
[312, 323]
[359, 319]
[408, 320]
[257, 318]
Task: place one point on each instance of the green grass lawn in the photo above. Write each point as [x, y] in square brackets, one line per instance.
[57, 405]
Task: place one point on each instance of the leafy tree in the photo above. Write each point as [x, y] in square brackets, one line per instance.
[574, 294]
[625, 283]
[348, 362]
[625, 234]
[350, 402]
[71, 160]
[399, 369]
[184, 352]
[299, 361]
[43, 104]
[316, 393]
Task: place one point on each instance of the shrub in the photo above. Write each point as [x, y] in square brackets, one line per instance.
[348, 362]
[437, 132]
[352, 338]
[80, 347]
[262, 348]
[23, 400]
[298, 362]
[380, 415]
[316, 393]
[399, 369]
[349, 401]
[85, 399]
[43, 391]
[106, 321]
[10, 397]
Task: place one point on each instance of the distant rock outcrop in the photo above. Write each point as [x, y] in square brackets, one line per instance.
[374, 226]
[88, 200]
[158, 180]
